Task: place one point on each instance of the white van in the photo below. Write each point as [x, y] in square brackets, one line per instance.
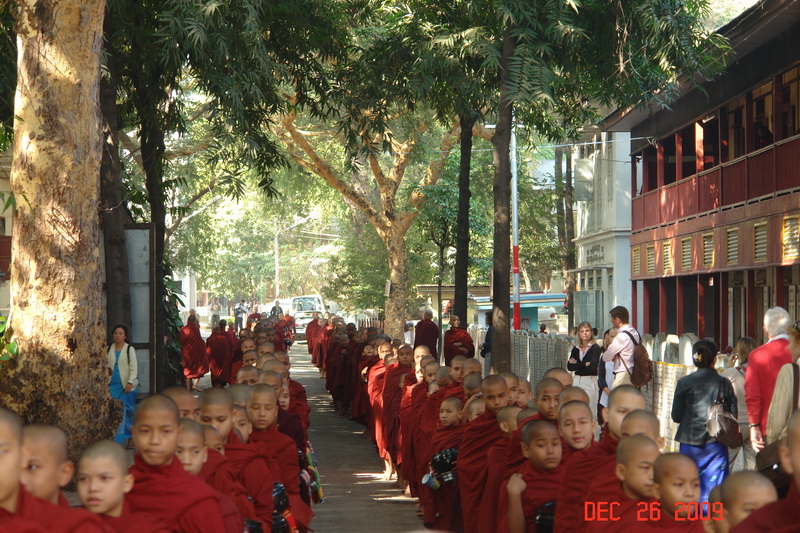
[302, 307]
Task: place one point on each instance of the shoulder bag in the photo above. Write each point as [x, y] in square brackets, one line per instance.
[721, 424]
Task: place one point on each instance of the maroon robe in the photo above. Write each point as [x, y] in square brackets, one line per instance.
[361, 411]
[452, 336]
[407, 425]
[218, 349]
[392, 396]
[426, 333]
[445, 501]
[323, 342]
[312, 329]
[255, 471]
[218, 472]
[130, 522]
[541, 487]
[480, 435]
[496, 458]
[183, 502]
[51, 518]
[776, 515]
[193, 352]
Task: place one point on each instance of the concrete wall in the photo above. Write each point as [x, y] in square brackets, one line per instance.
[532, 356]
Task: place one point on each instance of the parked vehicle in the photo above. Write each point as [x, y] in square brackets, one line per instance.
[302, 307]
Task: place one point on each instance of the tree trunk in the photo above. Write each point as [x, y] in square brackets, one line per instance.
[398, 275]
[569, 255]
[113, 216]
[462, 221]
[61, 375]
[501, 301]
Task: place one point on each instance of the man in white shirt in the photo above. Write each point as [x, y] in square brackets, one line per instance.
[621, 349]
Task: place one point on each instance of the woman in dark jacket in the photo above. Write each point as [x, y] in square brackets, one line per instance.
[694, 396]
[583, 360]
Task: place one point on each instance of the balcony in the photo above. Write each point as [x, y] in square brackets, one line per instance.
[753, 177]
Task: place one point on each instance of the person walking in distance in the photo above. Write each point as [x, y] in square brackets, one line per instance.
[621, 349]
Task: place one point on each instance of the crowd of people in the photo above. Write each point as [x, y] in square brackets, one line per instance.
[231, 458]
[578, 451]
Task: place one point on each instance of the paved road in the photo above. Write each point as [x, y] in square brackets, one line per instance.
[356, 498]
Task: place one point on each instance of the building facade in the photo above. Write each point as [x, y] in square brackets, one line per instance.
[715, 237]
[603, 226]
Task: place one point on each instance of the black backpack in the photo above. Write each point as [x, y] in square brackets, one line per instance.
[642, 373]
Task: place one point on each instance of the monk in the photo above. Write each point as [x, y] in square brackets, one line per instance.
[193, 454]
[392, 396]
[218, 349]
[247, 375]
[476, 409]
[409, 422]
[524, 393]
[188, 406]
[677, 487]
[288, 424]
[193, 352]
[360, 409]
[426, 333]
[507, 420]
[599, 460]
[249, 464]
[103, 481]
[162, 487]
[537, 481]
[633, 491]
[786, 512]
[457, 341]
[576, 426]
[445, 500]
[559, 374]
[262, 411]
[47, 467]
[736, 498]
[480, 434]
[375, 379]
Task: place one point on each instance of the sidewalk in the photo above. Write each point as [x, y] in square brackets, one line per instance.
[356, 498]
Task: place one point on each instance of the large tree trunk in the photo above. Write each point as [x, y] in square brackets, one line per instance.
[501, 299]
[569, 256]
[113, 216]
[462, 221]
[398, 274]
[61, 375]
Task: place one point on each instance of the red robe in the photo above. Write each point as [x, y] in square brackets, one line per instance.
[515, 459]
[480, 435]
[496, 459]
[541, 487]
[445, 511]
[255, 473]
[32, 511]
[392, 396]
[426, 333]
[776, 515]
[298, 403]
[407, 424]
[456, 390]
[312, 329]
[419, 394]
[236, 344]
[321, 345]
[181, 501]
[628, 514]
[218, 472]
[428, 416]
[235, 367]
[598, 460]
[375, 378]
[360, 411]
[130, 522]
[285, 451]
[219, 357]
[12, 524]
[333, 364]
[193, 352]
[452, 336]
[291, 426]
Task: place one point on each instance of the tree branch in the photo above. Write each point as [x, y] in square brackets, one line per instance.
[133, 148]
[206, 190]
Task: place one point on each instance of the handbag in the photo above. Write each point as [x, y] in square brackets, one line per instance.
[768, 460]
[721, 424]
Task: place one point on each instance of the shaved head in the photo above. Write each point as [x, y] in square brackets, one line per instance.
[472, 366]
[457, 359]
[548, 383]
[107, 449]
[430, 366]
[631, 447]
[525, 413]
[262, 389]
[573, 394]
[508, 415]
[52, 438]
[561, 375]
[239, 393]
[216, 396]
[739, 484]
[622, 390]
[641, 422]
[574, 404]
[666, 462]
[10, 419]
[271, 379]
[492, 381]
[442, 373]
[158, 403]
[274, 366]
[188, 405]
[535, 428]
[189, 426]
[454, 402]
[472, 383]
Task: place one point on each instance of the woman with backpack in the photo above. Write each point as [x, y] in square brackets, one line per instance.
[125, 370]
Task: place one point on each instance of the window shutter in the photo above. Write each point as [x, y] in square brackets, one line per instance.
[760, 242]
[686, 254]
[651, 259]
[791, 238]
[666, 258]
[635, 261]
[708, 250]
[732, 247]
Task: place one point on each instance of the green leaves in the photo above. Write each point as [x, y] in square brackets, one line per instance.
[8, 348]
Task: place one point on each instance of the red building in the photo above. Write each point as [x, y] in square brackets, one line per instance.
[715, 179]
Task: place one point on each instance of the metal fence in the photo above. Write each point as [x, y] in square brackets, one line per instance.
[532, 355]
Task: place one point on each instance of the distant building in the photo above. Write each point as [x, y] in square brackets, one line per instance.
[715, 179]
[6, 220]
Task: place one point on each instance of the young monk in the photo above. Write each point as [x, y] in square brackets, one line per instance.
[448, 435]
[677, 485]
[409, 423]
[241, 422]
[643, 422]
[193, 454]
[598, 460]
[47, 468]
[188, 405]
[736, 498]
[536, 482]
[576, 426]
[512, 380]
[214, 439]
[250, 466]
[239, 394]
[247, 375]
[480, 434]
[786, 512]
[162, 487]
[634, 472]
[262, 411]
[476, 409]
[496, 458]
[524, 393]
[573, 394]
[564, 377]
[103, 481]
[288, 423]
[392, 397]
